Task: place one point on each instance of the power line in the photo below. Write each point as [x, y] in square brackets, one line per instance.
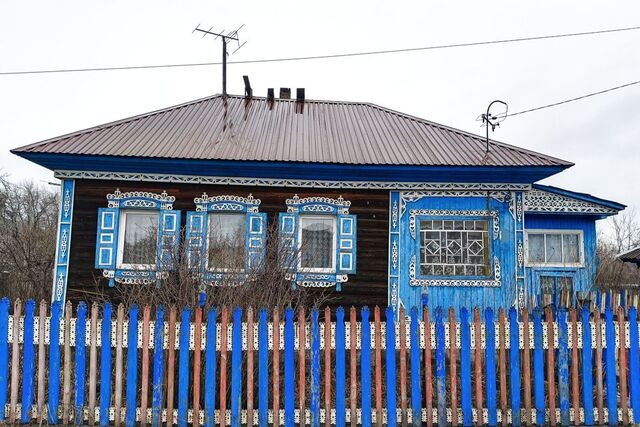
[328, 56]
[600, 92]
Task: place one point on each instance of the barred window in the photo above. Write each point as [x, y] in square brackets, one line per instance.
[454, 247]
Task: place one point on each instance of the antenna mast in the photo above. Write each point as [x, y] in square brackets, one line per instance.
[491, 120]
[232, 35]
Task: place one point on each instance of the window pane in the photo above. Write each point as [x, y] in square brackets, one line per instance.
[554, 248]
[140, 238]
[571, 248]
[227, 233]
[316, 245]
[536, 248]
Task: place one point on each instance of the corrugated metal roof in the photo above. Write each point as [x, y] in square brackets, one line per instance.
[632, 255]
[324, 132]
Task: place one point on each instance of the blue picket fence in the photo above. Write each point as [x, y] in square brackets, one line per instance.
[98, 365]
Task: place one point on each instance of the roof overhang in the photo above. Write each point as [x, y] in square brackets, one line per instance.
[545, 199]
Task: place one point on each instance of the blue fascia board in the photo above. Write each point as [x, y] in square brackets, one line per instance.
[293, 170]
[581, 196]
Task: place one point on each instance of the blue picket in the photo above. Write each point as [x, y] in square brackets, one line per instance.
[538, 366]
[183, 369]
[340, 369]
[132, 367]
[365, 367]
[610, 369]
[514, 365]
[54, 362]
[490, 361]
[441, 387]
[392, 415]
[416, 395]
[28, 362]
[634, 368]
[465, 367]
[105, 366]
[236, 367]
[210, 370]
[587, 368]
[289, 369]
[315, 370]
[263, 369]
[563, 366]
[81, 361]
[4, 354]
[158, 363]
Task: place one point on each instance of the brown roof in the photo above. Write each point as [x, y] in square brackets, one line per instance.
[325, 132]
[632, 255]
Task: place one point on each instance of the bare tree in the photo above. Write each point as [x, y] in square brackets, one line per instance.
[28, 223]
[625, 230]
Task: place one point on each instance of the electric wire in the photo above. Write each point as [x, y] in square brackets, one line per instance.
[328, 56]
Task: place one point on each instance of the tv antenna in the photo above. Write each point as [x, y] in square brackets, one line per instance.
[492, 120]
[231, 35]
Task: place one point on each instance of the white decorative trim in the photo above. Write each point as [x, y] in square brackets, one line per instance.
[140, 199]
[276, 182]
[544, 201]
[451, 212]
[394, 215]
[206, 203]
[412, 196]
[319, 205]
[458, 281]
[394, 253]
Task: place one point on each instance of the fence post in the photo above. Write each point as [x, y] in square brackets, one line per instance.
[158, 363]
[132, 368]
[315, 370]
[365, 367]
[236, 367]
[563, 367]
[183, 368]
[633, 364]
[54, 362]
[263, 369]
[416, 395]
[465, 367]
[490, 361]
[392, 416]
[28, 362]
[441, 378]
[587, 367]
[428, 378]
[81, 360]
[105, 366]
[340, 368]
[514, 365]
[289, 369]
[4, 354]
[210, 371]
[610, 369]
[538, 366]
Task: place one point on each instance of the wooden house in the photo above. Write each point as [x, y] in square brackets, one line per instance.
[399, 210]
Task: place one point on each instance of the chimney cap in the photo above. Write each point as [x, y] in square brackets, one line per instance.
[300, 94]
[285, 93]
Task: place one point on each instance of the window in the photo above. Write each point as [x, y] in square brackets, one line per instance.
[226, 250]
[555, 248]
[317, 243]
[139, 239]
[556, 291]
[454, 247]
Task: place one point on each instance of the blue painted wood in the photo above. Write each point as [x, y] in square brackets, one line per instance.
[105, 366]
[634, 368]
[236, 367]
[514, 366]
[610, 368]
[441, 387]
[54, 362]
[465, 367]
[289, 369]
[132, 367]
[158, 363]
[563, 366]
[315, 370]
[263, 369]
[587, 367]
[28, 363]
[81, 361]
[210, 370]
[4, 354]
[490, 362]
[340, 369]
[538, 366]
[183, 369]
[365, 367]
[416, 392]
[390, 342]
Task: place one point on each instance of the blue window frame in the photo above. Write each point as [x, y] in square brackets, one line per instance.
[317, 238]
[138, 237]
[226, 238]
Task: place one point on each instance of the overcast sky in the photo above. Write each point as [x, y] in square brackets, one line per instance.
[601, 135]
